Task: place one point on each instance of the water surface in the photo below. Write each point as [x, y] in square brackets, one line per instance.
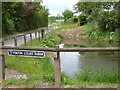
[75, 62]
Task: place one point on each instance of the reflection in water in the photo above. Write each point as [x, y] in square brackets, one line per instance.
[69, 63]
[75, 62]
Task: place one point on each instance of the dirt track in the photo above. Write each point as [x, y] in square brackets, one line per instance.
[73, 33]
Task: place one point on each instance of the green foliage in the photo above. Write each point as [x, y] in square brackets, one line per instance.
[106, 16]
[100, 75]
[19, 16]
[82, 19]
[21, 25]
[67, 14]
[9, 26]
[116, 36]
[100, 34]
[107, 21]
[104, 13]
[66, 80]
[72, 20]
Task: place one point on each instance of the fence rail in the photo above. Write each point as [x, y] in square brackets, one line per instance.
[39, 32]
[22, 34]
[51, 52]
[53, 49]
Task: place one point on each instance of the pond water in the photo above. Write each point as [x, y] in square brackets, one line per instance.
[75, 62]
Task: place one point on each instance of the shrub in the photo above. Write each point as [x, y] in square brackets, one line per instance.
[9, 25]
[116, 35]
[72, 20]
[21, 25]
[82, 19]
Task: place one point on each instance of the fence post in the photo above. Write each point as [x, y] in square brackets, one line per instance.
[42, 33]
[36, 37]
[57, 69]
[30, 39]
[2, 65]
[39, 35]
[25, 40]
[15, 41]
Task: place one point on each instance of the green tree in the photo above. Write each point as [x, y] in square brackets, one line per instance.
[19, 16]
[104, 13]
[67, 14]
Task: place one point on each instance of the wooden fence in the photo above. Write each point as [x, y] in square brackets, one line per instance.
[38, 33]
[50, 52]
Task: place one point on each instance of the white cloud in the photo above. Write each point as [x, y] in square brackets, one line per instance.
[57, 6]
[68, 3]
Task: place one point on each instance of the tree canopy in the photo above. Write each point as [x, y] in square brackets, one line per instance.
[104, 13]
[67, 14]
[19, 16]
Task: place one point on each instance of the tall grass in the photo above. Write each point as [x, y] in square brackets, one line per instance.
[98, 33]
[99, 76]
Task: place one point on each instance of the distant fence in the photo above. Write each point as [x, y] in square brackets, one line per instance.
[52, 53]
[38, 33]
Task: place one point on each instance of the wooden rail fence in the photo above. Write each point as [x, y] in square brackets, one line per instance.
[40, 33]
[51, 53]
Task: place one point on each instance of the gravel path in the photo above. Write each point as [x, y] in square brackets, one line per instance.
[10, 73]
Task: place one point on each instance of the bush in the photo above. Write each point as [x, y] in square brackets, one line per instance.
[116, 35]
[21, 25]
[9, 26]
[72, 20]
[17, 16]
[108, 21]
[82, 19]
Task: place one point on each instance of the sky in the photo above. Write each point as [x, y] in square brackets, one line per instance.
[58, 6]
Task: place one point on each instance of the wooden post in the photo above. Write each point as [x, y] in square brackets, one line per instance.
[42, 33]
[36, 37]
[2, 65]
[57, 69]
[39, 35]
[15, 41]
[25, 44]
[30, 39]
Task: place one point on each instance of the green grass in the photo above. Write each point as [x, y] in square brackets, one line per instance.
[100, 34]
[41, 69]
[98, 76]
[37, 69]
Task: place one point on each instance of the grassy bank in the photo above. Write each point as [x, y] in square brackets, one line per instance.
[94, 32]
[41, 69]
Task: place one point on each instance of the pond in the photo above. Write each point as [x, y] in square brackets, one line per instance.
[75, 62]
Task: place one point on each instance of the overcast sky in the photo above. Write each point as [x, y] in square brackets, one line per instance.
[58, 6]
